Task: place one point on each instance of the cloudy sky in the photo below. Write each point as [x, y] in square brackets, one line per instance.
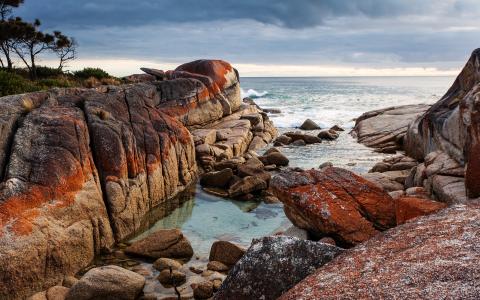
[269, 37]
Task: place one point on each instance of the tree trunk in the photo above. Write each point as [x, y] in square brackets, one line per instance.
[33, 69]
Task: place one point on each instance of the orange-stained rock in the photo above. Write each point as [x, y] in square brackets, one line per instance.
[334, 202]
[200, 92]
[432, 257]
[407, 208]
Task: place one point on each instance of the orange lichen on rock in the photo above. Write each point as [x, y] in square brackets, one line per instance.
[408, 208]
[334, 202]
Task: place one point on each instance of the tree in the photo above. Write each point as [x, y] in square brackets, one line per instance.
[65, 48]
[10, 31]
[30, 43]
[6, 33]
[6, 7]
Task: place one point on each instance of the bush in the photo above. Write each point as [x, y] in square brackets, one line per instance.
[54, 82]
[11, 83]
[46, 72]
[91, 72]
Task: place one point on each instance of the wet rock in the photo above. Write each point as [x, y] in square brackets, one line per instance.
[272, 265]
[247, 185]
[271, 150]
[217, 192]
[246, 170]
[380, 167]
[203, 290]
[408, 208]
[217, 283]
[432, 257]
[166, 243]
[226, 252]
[272, 110]
[334, 202]
[283, 140]
[275, 158]
[166, 264]
[232, 163]
[299, 143]
[217, 179]
[308, 124]
[271, 199]
[337, 128]
[328, 135]
[217, 266]
[109, 282]
[173, 277]
[308, 139]
[326, 165]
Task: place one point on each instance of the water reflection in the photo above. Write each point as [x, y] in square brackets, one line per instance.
[205, 218]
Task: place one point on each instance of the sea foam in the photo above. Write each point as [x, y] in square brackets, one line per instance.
[251, 93]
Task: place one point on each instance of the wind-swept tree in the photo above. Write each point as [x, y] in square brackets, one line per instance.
[30, 43]
[7, 31]
[65, 48]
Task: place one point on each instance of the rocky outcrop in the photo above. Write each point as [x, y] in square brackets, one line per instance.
[385, 129]
[272, 265]
[80, 169]
[334, 202]
[452, 126]
[433, 257]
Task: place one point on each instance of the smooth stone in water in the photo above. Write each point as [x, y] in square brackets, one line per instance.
[308, 124]
[166, 264]
[174, 277]
[226, 252]
[217, 266]
[203, 290]
[169, 243]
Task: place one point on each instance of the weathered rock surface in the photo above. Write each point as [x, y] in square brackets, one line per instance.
[334, 202]
[385, 129]
[226, 252]
[432, 257]
[109, 282]
[272, 265]
[166, 243]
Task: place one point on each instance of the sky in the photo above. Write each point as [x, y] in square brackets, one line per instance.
[268, 37]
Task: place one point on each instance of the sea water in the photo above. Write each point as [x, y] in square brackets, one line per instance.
[328, 101]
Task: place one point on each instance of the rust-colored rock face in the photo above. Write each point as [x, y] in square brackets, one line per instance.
[408, 208]
[432, 257]
[199, 92]
[334, 202]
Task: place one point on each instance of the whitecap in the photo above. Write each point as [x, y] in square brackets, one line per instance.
[251, 93]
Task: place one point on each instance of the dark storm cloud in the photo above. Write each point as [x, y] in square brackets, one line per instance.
[287, 13]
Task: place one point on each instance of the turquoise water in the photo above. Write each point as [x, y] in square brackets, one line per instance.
[328, 101]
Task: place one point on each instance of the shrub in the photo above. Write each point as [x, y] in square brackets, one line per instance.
[46, 72]
[91, 72]
[54, 82]
[28, 105]
[110, 81]
[11, 83]
[91, 82]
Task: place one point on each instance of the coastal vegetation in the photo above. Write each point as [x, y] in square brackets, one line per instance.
[22, 44]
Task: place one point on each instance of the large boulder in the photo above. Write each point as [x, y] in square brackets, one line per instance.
[385, 129]
[200, 92]
[432, 257]
[272, 265]
[334, 202]
[167, 243]
[411, 207]
[452, 126]
[109, 283]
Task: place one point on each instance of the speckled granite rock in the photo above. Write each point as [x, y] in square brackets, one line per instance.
[272, 265]
[432, 257]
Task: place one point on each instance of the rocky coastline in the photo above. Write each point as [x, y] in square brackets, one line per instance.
[82, 168]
